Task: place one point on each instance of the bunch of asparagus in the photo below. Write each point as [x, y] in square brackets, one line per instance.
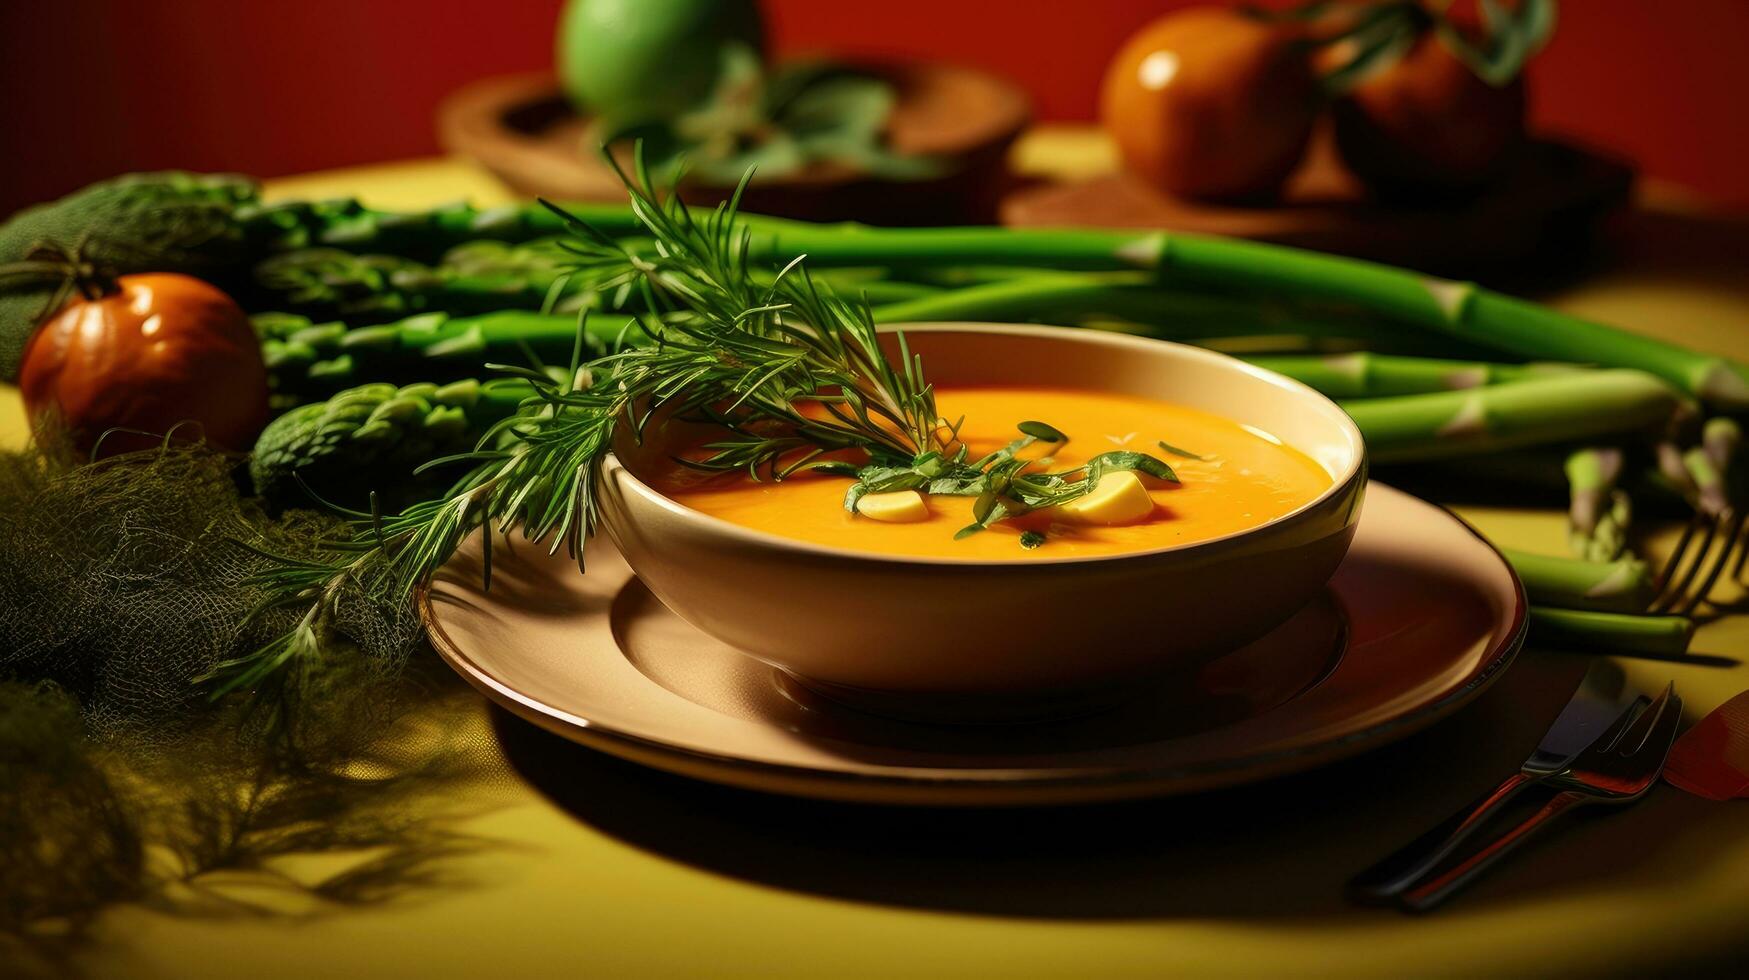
[376, 326]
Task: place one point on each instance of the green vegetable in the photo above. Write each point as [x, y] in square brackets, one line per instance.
[545, 263]
[420, 235]
[775, 124]
[1558, 408]
[1599, 513]
[305, 358]
[327, 283]
[1364, 374]
[374, 438]
[1623, 586]
[1606, 632]
[1455, 309]
[473, 278]
[1140, 304]
[686, 81]
[636, 61]
[1716, 467]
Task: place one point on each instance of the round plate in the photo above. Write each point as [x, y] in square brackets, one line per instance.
[1420, 618]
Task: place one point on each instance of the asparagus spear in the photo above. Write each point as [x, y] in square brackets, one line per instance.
[1557, 408]
[1457, 309]
[1600, 513]
[327, 283]
[304, 357]
[1708, 477]
[425, 235]
[473, 278]
[1460, 309]
[1190, 315]
[545, 259]
[373, 438]
[1712, 466]
[1623, 586]
[1365, 374]
[1607, 632]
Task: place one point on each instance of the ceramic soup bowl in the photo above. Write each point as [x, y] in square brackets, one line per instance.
[958, 639]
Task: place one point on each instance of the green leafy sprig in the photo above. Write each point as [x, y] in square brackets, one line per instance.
[779, 119]
[789, 371]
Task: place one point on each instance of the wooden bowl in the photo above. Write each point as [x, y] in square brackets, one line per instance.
[522, 129]
[1545, 210]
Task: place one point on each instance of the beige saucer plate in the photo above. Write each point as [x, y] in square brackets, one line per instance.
[1420, 618]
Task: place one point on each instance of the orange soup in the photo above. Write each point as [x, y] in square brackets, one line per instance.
[1245, 477]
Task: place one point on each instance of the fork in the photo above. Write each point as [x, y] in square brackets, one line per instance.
[1619, 768]
[1677, 590]
[1596, 704]
[1704, 477]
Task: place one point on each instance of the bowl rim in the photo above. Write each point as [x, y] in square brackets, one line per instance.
[1341, 485]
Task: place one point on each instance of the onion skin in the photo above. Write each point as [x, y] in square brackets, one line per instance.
[162, 350]
[1426, 126]
[1208, 103]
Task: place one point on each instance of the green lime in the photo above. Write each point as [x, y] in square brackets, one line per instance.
[634, 61]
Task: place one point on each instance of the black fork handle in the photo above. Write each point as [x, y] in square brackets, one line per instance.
[1402, 868]
[1432, 892]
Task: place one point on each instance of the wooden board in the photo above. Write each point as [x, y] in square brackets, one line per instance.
[1545, 210]
[523, 130]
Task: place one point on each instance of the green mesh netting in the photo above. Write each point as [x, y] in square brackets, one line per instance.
[121, 583]
[125, 580]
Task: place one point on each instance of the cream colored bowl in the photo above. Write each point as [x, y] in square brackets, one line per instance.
[960, 639]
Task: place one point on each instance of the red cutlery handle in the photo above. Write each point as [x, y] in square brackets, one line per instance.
[1399, 871]
[1430, 893]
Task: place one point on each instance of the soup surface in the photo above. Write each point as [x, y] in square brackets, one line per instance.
[1246, 478]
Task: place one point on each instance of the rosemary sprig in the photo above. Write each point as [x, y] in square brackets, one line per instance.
[788, 370]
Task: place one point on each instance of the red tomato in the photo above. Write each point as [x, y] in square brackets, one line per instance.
[1426, 125]
[1209, 103]
[159, 350]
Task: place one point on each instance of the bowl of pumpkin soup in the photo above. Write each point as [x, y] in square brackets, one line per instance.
[1134, 509]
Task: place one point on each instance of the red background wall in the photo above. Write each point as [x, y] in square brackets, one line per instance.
[94, 87]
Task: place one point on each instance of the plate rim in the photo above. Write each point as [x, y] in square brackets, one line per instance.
[980, 786]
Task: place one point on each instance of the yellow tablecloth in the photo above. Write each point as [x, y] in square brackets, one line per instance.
[596, 868]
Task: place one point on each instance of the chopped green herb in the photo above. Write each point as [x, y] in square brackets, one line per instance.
[1119, 460]
[1042, 432]
[1174, 450]
[852, 495]
[835, 468]
[1031, 539]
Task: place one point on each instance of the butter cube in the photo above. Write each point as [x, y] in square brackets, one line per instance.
[1119, 498]
[898, 507]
